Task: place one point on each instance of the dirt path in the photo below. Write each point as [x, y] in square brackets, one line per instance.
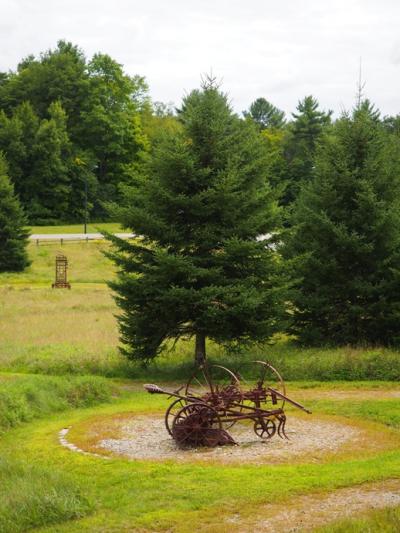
[305, 513]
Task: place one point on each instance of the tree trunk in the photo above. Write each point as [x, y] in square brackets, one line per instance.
[200, 349]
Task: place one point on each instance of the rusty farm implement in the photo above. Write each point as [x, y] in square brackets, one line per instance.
[215, 399]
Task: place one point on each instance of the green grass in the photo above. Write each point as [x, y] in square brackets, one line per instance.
[382, 521]
[112, 227]
[169, 496]
[86, 265]
[59, 331]
[34, 496]
[385, 411]
[25, 397]
[75, 332]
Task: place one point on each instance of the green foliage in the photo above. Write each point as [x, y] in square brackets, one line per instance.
[200, 206]
[13, 235]
[28, 397]
[265, 115]
[49, 181]
[35, 496]
[346, 239]
[300, 145]
[68, 125]
[132, 495]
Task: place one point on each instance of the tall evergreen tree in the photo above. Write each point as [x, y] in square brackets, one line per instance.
[265, 114]
[300, 145]
[199, 269]
[345, 239]
[13, 235]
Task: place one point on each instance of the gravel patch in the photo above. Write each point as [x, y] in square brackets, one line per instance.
[144, 437]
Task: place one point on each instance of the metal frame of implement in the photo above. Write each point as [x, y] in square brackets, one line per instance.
[211, 405]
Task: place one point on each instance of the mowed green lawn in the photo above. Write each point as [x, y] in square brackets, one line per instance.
[112, 227]
[67, 334]
[64, 491]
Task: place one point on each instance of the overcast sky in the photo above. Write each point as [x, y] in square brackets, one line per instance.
[281, 50]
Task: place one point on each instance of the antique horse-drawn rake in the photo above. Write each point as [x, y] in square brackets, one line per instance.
[215, 398]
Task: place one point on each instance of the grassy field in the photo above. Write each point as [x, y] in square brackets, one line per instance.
[112, 227]
[86, 265]
[61, 367]
[75, 331]
[124, 495]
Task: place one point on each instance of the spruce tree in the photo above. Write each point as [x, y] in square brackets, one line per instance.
[301, 143]
[199, 269]
[265, 114]
[13, 235]
[345, 240]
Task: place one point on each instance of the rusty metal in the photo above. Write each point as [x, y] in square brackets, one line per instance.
[61, 281]
[215, 399]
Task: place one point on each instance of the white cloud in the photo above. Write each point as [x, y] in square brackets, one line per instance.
[281, 51]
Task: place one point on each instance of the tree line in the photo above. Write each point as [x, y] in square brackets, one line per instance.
[253, 227]
[70, 127]
[250, 225]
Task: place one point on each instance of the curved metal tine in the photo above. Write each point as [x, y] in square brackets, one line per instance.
[281, 428]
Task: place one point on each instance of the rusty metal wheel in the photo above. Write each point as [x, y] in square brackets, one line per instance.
[171, 412]
[270, 377]
[264, 375]
[219, 387]
[213, 381]
[196, 424]
[265, 428]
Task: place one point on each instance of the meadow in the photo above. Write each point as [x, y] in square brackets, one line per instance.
[60, 368]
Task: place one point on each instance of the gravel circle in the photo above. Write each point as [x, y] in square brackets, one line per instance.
[144, 437]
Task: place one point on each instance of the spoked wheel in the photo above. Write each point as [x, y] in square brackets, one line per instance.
[171, 413]
[270, 377]
[197, 424]
[265, 428]
[214, 384]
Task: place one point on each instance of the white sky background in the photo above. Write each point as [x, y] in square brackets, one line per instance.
[281, 50]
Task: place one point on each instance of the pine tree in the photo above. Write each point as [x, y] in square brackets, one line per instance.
[199, 269]
[13, 235]
[265, 114]
[345, 240]
[301, 143]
